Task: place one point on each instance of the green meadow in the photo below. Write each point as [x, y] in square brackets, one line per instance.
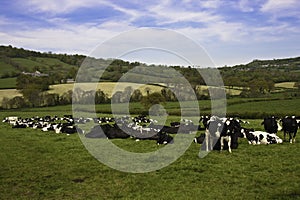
[45, 165]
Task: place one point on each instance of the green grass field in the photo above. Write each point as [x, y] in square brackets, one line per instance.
[7, 83]
[38, 165]
[6, 68]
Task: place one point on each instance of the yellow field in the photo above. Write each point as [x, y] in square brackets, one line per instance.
[9, 93]
[234, 91]
[289, 85]
[108, 88]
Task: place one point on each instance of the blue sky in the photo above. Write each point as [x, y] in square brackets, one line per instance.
[231, 31]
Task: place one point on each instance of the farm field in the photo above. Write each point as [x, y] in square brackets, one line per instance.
[289, 85]
[9, 93]
[107, 87]
[110, 87]
[7, 83]
[38, 165]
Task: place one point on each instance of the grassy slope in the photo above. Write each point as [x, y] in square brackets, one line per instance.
[6, 83]
[43, 63]
[47, 165]
[6, 68]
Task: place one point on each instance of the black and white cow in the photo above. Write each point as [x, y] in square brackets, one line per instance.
[290, 126]
[260, 137]
[229, 135]
[200, 139]
[271, 125]
[10, 120]
[212, 132]
[220, 134]
[204, 120]
[163, 138]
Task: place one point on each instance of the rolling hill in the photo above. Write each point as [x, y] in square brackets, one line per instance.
[14, 61]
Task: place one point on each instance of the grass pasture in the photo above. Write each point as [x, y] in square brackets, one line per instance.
[38, 165]
[6, 68]
[7, 83]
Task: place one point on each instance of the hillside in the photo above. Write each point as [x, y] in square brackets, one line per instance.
[14, 61]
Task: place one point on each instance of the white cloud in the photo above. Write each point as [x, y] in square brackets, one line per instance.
[55, 7]
[67, 38]
[278, 5]
[210, 3]
[245, 6]
[166, 13]
[59, 6]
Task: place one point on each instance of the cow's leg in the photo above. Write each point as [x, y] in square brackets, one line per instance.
[294, 138]
[229, 144]
[207, 137]
[291, 137]
[211, 141]
[222, 143]
[284, 137]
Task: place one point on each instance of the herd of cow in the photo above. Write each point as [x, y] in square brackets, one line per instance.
[220, 133]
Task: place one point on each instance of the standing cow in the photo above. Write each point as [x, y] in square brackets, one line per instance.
[270, 125]
[290, 126]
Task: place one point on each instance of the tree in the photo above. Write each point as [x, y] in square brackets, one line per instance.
[136, 96]
[147, 90]
[66, 98]
[117, 97]
[31, 88]
[100, 97]
[153, 101]
[168, 94]
[127, 93]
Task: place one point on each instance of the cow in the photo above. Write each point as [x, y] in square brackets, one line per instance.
[99, 131]
[230, 134]
[163, 138]
[19, 125]
[200, 139]
[290, 126]
[212, 132]
[220, 134]
[260, 137]
[11, 120]
[271, 125]
[204, 120]
[175, 124]
[116, 132]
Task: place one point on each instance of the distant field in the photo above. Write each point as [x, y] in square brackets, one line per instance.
[107, 87]
[7, 83]
[10, 93]
[289, 85]
[287, 107]
[6, 68]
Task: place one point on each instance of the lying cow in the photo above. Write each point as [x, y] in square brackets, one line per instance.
[11, 120]
[260, 137]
